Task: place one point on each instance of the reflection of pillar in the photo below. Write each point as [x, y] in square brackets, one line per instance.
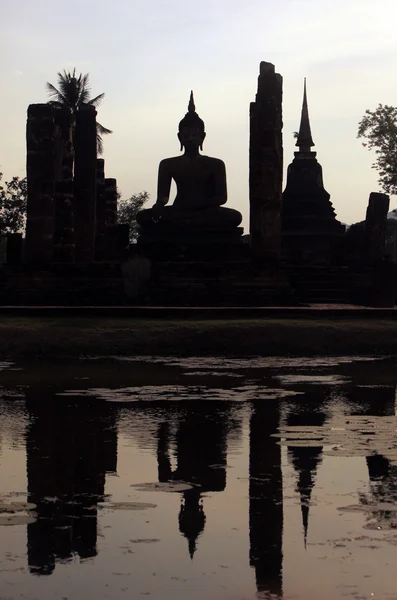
[265, 500]
[66, 450]
[375, 402]
[201, 460]
[382, 473]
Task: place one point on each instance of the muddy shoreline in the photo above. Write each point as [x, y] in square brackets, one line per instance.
[50, 338]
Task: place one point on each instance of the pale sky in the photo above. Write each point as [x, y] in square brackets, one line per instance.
[147, 55]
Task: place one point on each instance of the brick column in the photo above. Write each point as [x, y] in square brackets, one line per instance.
[85, 166]
[100, 235]
[40, 167]
[64, 249]
[266, 166]
[111, 201]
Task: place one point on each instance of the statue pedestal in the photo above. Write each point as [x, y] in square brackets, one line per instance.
[191, 245]
[208, 281]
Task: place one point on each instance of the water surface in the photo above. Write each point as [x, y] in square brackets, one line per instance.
[199, 478]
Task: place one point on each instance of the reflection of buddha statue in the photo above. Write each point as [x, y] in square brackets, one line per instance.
[201, 187]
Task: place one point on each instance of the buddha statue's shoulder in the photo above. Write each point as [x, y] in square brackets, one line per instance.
[172, 160]
[211, 160]
[175, 161]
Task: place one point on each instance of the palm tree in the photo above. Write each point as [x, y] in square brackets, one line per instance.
[71, 93]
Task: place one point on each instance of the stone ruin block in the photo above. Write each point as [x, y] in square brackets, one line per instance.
[382, 268]
[375, 226]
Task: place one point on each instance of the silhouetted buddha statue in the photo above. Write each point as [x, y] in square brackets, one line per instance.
[201, 188]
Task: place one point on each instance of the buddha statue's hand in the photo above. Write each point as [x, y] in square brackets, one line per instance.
[157, 211]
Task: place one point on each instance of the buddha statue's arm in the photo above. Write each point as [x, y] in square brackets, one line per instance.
[220, 183]
[163, 184]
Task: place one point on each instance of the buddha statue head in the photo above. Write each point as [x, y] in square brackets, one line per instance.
[191, 133]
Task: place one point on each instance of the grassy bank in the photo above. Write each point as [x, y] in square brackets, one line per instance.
[32, 337]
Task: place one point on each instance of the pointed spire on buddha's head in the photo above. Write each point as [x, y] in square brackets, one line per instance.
[191, 130]
[191, 119]
[191, 108]
[304, 140]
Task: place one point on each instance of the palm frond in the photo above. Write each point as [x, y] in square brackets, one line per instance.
[85, 80]
[84, 88]
[72, 92]
[103, 130]
[97, 100]
[99, 144]
[54, 93]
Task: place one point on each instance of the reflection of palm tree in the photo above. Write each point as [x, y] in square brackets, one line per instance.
[71, 94]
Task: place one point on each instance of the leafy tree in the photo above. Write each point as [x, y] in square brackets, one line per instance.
[127, 210]
[71, 93]
[13, 200]
[379, 129]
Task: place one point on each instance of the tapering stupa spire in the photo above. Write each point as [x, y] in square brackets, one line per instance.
[305, 140]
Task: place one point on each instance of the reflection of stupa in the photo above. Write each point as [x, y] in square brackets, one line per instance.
[306, 461]
[69, 449]
[201, 460]
[266, 500]
[191, 518]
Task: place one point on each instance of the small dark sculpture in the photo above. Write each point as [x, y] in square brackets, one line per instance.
[201, 187]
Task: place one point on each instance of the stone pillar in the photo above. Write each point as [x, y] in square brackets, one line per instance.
[100, 235]
[266, 166]
[375, 226]
[64, 249]
[383, 283]
[111, 201]
[117, 241]
[85, 166]
[40, 166]
[14, 248]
